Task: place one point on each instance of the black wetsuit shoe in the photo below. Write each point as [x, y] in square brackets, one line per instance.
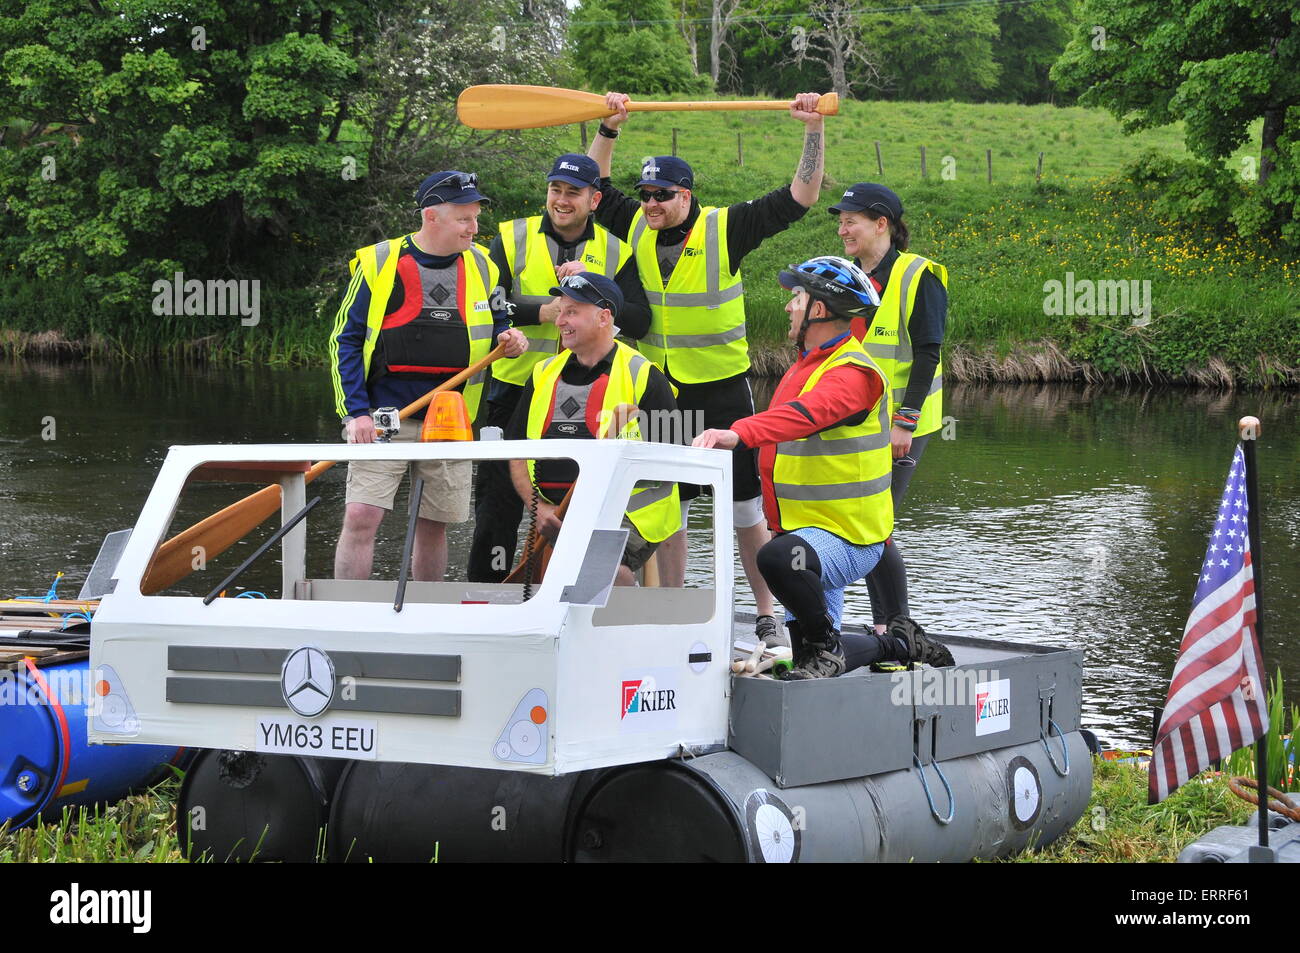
[920, 647]
[820, 660]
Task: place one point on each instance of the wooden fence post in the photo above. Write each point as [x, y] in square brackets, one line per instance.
[880, 166]
[740, 151]
[923, 162]
[1038, 177]
[988, 156]
[583, 127]
[674, 140]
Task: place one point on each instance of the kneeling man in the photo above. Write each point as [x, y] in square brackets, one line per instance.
[824, 459]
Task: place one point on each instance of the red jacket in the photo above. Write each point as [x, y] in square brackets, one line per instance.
[841, 394]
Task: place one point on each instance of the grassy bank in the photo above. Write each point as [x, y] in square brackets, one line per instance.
[1222, 311]
[1118, 826]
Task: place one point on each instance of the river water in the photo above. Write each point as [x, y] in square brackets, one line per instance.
[1053, 515]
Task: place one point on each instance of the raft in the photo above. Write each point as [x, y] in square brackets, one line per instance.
[571, 720]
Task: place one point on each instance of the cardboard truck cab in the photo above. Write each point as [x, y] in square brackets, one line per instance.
[579, 676]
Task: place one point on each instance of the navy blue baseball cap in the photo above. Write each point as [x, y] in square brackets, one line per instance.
[455, 188]
[666, 172]
[593, 289]
[576, 169]
[869, 197]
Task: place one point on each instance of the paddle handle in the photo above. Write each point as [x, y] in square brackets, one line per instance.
[827, 105]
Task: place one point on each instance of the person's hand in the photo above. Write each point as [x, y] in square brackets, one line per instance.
[547, 313]
[722, 439]
[514, 341]
[804, 108]
[617, 102]
[548, 524]
[900, 440]
[569, 268]
[361, 429]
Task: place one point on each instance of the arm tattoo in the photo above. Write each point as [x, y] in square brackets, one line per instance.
[812, 149]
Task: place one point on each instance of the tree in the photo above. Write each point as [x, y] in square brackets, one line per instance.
[631, 45]
[689, 13]
[944, 53]
[834, 39]
[722, 16]
[1032, 38]
[1218, 67]
[228, 139]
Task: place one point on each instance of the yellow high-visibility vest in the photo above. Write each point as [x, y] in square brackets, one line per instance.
[524, 242]
[839, 479]
[655, 506]
[697, 321]
[889, 343]
[378, 264]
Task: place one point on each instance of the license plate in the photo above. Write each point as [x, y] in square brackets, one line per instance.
[355, 738]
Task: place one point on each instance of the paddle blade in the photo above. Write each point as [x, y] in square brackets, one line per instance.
[527, 107]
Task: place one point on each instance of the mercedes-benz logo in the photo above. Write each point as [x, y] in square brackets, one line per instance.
[307, 681]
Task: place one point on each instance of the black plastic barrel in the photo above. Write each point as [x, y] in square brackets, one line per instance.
[721, 807]
[416, 812]
[241, 805]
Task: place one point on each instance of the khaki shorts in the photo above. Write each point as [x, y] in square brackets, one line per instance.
[446, 482]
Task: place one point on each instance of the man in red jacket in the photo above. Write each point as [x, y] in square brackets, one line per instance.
[825, 460]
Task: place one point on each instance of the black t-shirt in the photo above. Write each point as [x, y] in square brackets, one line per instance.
[748, 223]
[558, 474]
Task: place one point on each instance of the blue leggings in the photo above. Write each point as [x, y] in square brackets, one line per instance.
[808, 570]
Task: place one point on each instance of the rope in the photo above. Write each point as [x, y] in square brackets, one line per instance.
[1065, 748]
[1277, 801]
[952, 805]
[530, 563]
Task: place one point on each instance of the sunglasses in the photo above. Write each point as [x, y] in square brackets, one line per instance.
[658, 195]
[462, 179]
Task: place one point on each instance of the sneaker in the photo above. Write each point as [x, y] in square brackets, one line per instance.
[768, 631]
[821, 660]
[920, 647]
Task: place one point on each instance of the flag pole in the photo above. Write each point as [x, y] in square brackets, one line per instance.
[1248, 428]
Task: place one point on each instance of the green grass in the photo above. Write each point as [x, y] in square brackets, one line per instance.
[1119, 826]
[140, 828]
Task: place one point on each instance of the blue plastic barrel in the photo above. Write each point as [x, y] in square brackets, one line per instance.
[45, 762]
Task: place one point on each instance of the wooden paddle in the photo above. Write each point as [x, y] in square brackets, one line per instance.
[531, 107]
[617, 421]
[174, 559]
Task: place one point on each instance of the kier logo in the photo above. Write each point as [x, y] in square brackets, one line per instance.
[629, 697]
[639, 696]
[993, 707]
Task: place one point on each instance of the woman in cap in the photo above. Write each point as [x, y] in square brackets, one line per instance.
[824, 460]
[904, 338]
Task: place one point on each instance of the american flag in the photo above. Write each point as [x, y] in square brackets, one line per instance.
[1216, 699]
